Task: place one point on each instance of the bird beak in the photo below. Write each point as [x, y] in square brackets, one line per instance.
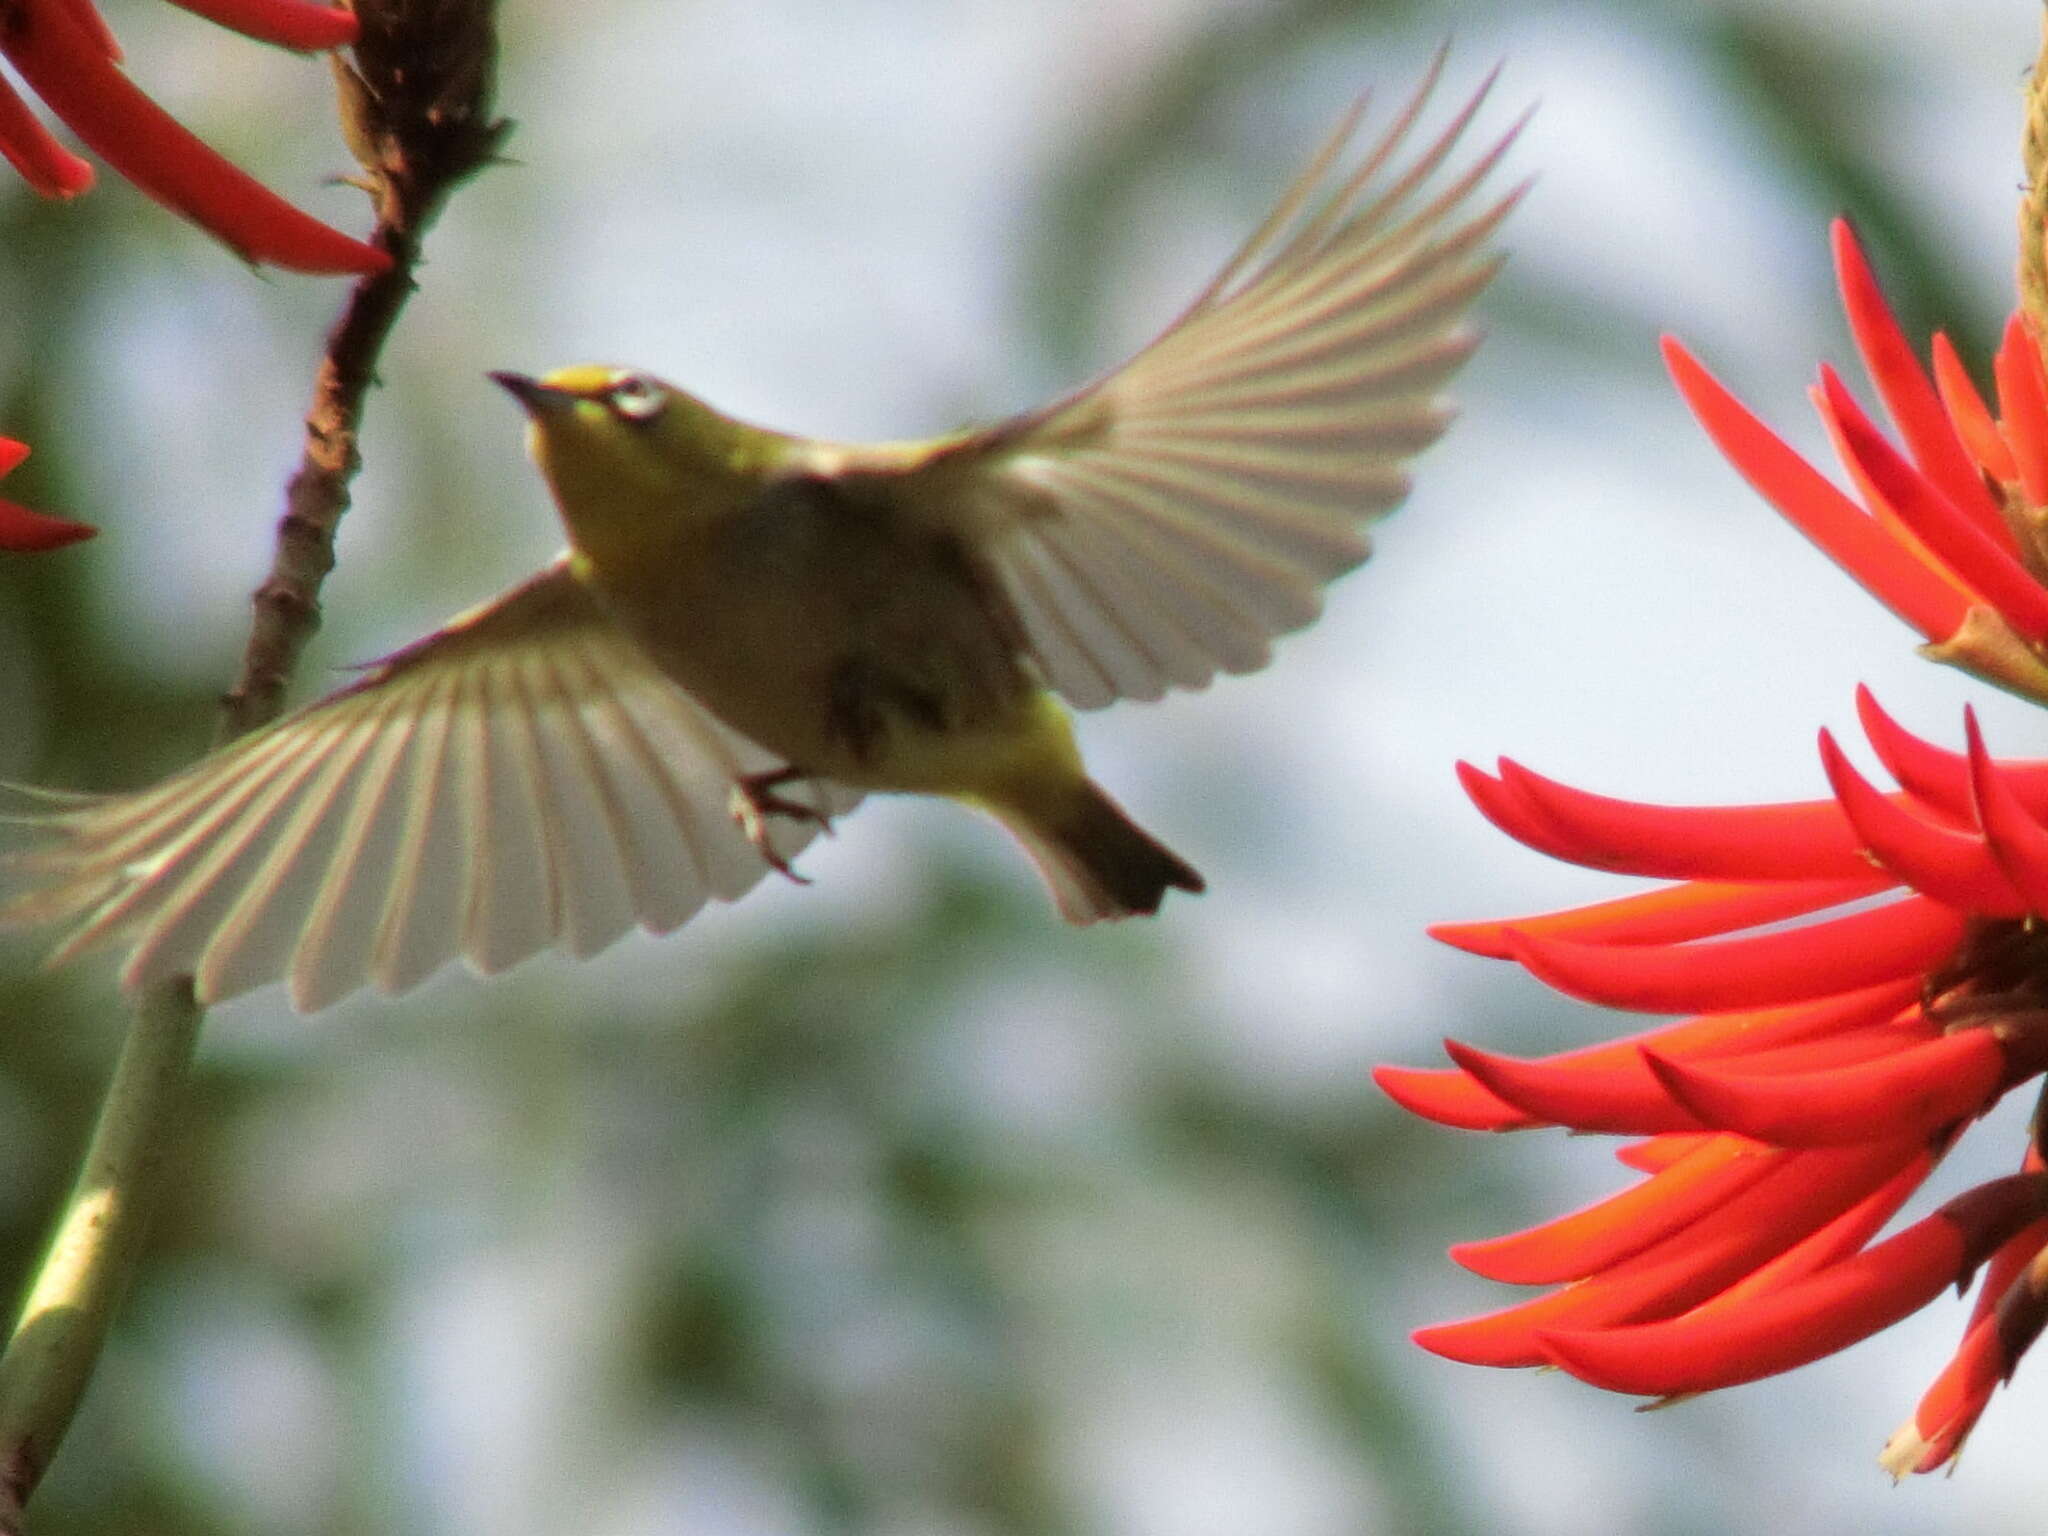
[538, 398]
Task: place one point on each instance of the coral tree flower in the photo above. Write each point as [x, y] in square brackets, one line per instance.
[1862, 975]
[64, 52]
[27, 532]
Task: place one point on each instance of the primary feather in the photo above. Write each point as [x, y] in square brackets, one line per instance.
[524, 778]
[1169, 520]
[560, 764]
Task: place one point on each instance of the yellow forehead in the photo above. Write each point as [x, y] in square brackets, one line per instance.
[585, 378]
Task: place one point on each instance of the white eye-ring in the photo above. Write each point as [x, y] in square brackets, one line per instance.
[636, 397]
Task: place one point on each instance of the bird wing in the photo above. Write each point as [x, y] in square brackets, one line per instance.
[1170, 519]
[523, 778]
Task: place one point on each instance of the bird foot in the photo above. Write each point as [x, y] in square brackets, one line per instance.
[754, 801]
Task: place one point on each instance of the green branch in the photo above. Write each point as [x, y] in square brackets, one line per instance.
[63, 1326]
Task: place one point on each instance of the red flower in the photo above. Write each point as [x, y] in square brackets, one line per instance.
[25, 531]
[65, 53]
[1948, 539]
[1864, 974]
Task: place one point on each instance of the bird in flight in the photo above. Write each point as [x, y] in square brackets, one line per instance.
[750, 630]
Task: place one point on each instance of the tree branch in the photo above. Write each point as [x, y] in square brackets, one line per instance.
[415, 103]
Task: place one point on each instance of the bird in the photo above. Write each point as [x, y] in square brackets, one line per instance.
[750, 630]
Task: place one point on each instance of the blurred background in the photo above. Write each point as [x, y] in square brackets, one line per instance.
[890, 1205]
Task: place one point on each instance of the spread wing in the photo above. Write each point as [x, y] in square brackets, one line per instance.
[523, 778]
[1170, 519]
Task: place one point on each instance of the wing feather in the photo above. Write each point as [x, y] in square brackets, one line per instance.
[1225, 594]
[523, 779]
[594, 903]
[1181, 621]
[259, 846]
[256, 940]
[656, 826]
[1101, 623]
[697, 766]
[151, 888]
[509, 904]
[1052, 614]
[1169, 520]
[416, 933]
[337, 944]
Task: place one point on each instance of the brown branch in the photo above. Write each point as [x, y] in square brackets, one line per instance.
[416, 105]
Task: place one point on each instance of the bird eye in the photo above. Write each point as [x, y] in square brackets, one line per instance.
[636, 397]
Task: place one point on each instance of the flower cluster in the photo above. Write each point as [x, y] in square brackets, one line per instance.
[64, 52]
[1864, 975]
[23, 531]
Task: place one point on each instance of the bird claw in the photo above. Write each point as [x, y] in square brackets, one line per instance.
[754, 801]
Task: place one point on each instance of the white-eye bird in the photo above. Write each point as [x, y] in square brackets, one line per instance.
[749, 630]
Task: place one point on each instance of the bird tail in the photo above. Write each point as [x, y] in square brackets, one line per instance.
[1096, 861]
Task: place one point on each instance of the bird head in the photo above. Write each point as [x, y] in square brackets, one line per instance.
[630, 457]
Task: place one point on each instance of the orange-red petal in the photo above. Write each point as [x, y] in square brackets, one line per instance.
[295, 24]
[1903, 938]
[1903, 386]
[47, 166]
[2023, 401]
[1802, 1191]
[27, 532]
[1847, 534]
[1449, 1097]
[2016, 838]
[1975, 557]
[63, 65]
[1956, 868]
[1913, 1090]
[1620, 1095]
[1654, 1154]
[1973, 419]
[1602, 1234]
[1940, 778]
[1802, 1322]
[1832, 1242]
[1453, 1097]
[1671, 914]
[1801, 840]
[2007, 1318]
